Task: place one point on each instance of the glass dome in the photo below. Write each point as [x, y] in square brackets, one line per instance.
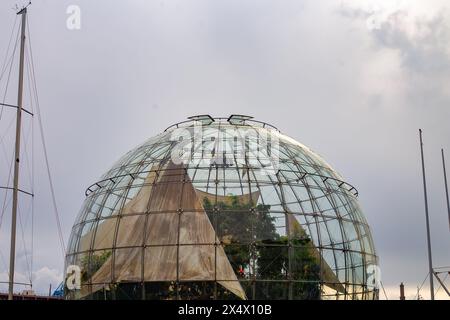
[222, 208]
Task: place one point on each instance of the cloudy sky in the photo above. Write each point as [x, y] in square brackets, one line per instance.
[353, 80]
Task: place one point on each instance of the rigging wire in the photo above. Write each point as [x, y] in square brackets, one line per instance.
[423, 282]
[23, 214]
[23, 242]
[3, 261]
[2, 140]
[30, 167]
[9, 72]
[4, 68]
[440, 284]
[418, 289]
[6, 201]
[384, 291]
[4, 64]
[41, 130]
[4, 95]
[30, 132]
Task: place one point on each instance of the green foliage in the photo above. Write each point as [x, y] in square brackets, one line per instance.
[90, 266]
[251, 242]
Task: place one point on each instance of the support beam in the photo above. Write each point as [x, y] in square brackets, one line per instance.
[430, 259]
[446, 187]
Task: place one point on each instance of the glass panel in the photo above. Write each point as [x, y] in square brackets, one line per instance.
[104, 235]
[130, 231]
[128, 265]
[197, 262]
[242, 259]
[160, 290]
[160, 263]
[82, 260]
[74, 237]
[112, 204]
[86, 236]
[272, 290]
[273, 261]
[306, 290]
[196, 228]
[98, 269]
[162, 228]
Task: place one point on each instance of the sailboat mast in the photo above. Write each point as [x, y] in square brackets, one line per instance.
[430, 259]
[12, 255]
[446, 186]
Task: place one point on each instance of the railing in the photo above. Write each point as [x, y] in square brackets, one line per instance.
[340, 184]
[247, 121]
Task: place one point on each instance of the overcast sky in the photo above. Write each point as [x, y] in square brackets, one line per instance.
[353, 80]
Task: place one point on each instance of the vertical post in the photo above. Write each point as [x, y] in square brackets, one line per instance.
[402, 291]
[446, 187]
[12, 255]
[430, 259]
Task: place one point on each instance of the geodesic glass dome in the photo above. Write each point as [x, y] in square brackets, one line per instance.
[222, 208]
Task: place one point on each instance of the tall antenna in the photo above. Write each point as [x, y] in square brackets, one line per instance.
[446, 187]
[430, 260]
[12, 255]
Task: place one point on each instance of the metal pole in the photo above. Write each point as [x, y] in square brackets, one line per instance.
[446, 187]
[430, 260]
[402, 291]
[12, 255]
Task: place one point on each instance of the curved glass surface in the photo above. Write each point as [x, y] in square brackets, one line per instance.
[222, 210]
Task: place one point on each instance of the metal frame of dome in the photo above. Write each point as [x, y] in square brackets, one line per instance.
[154, 229]
[232, 119]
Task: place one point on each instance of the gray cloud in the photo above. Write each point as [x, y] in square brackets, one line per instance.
[426, 50]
